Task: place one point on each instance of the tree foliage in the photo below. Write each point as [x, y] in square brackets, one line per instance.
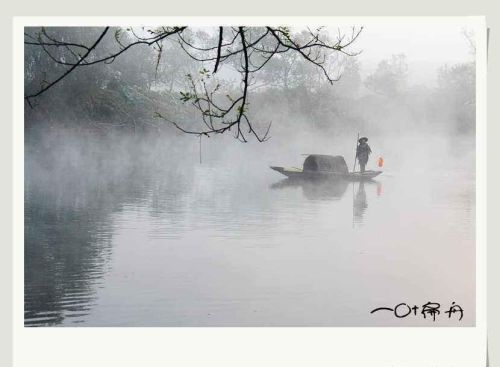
[390, 77]
[222, 107]
[187, 83]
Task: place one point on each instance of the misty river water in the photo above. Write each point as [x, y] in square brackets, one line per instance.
[134, 231]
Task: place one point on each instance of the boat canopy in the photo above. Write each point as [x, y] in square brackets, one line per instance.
[318, 162]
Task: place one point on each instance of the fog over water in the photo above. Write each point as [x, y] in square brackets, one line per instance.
[130, 222]
[134, 231]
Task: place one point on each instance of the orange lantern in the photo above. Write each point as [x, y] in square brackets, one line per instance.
[380, 162]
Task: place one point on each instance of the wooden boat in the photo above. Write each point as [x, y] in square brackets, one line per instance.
[325, 167]
[298, 173]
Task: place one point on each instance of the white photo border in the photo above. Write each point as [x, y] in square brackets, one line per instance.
[288, 346]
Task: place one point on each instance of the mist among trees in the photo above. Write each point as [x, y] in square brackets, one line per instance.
[249, 82]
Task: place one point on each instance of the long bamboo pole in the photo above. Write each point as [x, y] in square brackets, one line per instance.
[200, 149]
[355, 154]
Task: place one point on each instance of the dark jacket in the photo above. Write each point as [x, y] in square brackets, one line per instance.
[362, 152]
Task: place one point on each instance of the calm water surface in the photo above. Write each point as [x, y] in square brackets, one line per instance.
[128, 233]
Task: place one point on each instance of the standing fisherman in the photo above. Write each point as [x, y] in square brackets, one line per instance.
[362, 152]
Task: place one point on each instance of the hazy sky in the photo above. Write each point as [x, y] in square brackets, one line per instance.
[426, 48]
[428, 43]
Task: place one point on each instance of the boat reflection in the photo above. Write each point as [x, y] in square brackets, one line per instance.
[316, 189]
[334, 190]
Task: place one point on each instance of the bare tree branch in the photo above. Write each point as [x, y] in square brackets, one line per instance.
[51, 84]
[248, 50]
[219, 48]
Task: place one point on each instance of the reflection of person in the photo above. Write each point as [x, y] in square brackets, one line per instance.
[360, 203]
[362, 152]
